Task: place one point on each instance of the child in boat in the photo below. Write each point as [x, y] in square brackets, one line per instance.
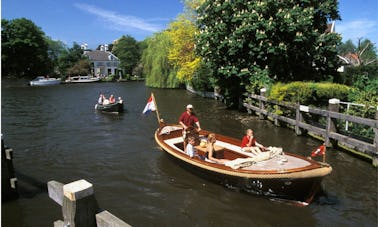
[249, 143]
[211, 151]
[190, 150]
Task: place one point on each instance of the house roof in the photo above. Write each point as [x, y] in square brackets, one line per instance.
[98, 55]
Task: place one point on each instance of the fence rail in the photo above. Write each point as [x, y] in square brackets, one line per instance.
[330, 132]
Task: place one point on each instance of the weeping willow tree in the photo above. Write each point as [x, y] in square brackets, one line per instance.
[159, 72]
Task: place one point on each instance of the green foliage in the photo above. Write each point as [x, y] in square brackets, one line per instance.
[366, 91]
[353, 74]
[156, 67]
[109, 78]
[128, 51]
[202, 80]
[80, 68]
[55, 50]
[308, 93]
[69, 58]
[181, 51]
[23, 49]
[279, 40]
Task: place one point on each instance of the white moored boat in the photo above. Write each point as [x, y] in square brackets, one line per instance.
[44, 81]
[82, 79]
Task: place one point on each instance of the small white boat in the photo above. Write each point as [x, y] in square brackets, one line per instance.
[44, 81]
[82, 79]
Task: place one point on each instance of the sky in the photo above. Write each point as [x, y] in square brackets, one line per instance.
[101, 22]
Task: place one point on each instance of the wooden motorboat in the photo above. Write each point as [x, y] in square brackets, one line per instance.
[116, 107]
[44, 81]
[281, 176]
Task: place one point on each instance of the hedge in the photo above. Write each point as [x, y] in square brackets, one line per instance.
[308, 93]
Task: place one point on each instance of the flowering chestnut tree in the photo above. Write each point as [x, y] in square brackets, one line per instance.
[253, 43]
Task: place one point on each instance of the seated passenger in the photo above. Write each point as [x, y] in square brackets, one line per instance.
[111, 99]
[190, 150]
[105, 102]
[101, 98]
[210, 149]
[249, 143]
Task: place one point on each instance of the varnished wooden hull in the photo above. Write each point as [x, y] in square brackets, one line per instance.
[298, 185]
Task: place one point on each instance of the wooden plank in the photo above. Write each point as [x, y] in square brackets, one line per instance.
[360, 145]
[59, 223]
[106, 219]
[55, 190]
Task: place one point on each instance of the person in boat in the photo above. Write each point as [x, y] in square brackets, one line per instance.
[187, 120]
[190, 150]
[111, 99]
[210, 149]
[249, 143]
[120, 100]
[101, 99]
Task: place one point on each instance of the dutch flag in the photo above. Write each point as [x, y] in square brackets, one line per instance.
[150, 106]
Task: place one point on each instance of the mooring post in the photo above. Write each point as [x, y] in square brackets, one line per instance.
[298, 118]
[375, 157]
[261, 104]
[8, 179]
[334, 106]
[79, 206]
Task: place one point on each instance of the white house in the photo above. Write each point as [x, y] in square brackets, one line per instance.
[103, 62]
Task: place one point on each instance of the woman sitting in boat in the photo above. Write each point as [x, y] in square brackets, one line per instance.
[211, 150]
[249, 143]
[111, 99]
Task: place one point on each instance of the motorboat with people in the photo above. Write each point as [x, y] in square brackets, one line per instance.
[82, 79]
[110, 105]
[279, 175]
[44, 81]
[273, 173]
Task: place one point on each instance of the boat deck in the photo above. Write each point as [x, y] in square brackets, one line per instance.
[279, 162]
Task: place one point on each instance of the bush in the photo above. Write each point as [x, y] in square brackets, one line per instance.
[309, 93]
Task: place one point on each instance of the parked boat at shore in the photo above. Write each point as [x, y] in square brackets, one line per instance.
[282, 176]
[82, 79]
[44, 81]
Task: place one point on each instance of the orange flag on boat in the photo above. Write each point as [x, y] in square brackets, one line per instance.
[319, 151]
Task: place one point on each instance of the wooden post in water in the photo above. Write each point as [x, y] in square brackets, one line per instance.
[333, 105]
[79, 206]
[298, 118]
[261, 104]
[8, 179]
[375, 157]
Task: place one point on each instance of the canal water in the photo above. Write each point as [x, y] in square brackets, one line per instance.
[57, 135]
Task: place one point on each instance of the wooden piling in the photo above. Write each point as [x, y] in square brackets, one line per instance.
[375, 157]
[261, 104]
[298, 119]
[334, 106]
[8, 179]
[79, 206]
